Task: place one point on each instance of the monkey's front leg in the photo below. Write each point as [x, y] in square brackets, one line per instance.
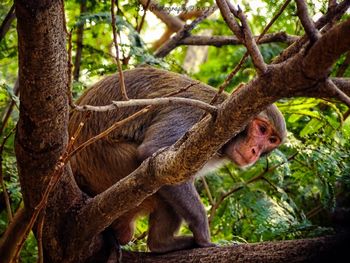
[186, 203]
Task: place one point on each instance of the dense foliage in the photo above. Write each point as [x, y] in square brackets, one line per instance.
[289, 194]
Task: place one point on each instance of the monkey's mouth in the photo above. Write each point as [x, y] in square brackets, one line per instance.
[240, 159]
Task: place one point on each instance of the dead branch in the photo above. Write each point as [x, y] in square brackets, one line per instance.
[143, 102]
[307, 22]
[181, 34]
[219, 41]
[120, 70]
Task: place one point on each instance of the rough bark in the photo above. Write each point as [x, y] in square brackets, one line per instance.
[42, 135]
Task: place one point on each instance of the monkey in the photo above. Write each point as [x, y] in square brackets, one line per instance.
[107, 161]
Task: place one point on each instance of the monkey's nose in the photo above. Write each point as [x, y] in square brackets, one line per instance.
[254, 151]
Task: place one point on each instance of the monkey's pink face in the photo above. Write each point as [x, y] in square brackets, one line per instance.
[260, 138]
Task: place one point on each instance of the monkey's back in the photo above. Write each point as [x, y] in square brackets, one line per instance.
[108, 160]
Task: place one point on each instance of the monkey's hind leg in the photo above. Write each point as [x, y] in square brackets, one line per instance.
[164, 224]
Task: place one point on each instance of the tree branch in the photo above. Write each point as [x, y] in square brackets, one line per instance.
[181, 34]
[120, 70]
[219, 41]
[173, 23]
[251, 45]
[331, 14]
[322, 249]
[230, 19]
[307, 22]
[143, 102]
[5, 26]
[324, 53]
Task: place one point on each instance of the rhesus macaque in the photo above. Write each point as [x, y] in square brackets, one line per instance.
[106, 161]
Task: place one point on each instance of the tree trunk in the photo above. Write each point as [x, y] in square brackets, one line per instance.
[42, 132]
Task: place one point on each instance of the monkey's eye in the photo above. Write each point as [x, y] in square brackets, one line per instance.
[273, 140]
[262, 129]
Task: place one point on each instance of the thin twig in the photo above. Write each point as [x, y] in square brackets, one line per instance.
[5, 26]
[207, 190]
[39, 237]
[307, 22]
[109, 130]
[2, 182]
[143, 102]
[10, 108]
[143, 17]
[120, 70]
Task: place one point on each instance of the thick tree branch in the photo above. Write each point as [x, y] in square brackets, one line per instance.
[327, 50]
[322, 249]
